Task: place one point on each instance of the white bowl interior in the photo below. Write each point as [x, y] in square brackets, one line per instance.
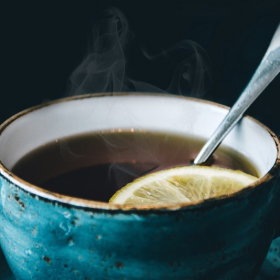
[149, 112]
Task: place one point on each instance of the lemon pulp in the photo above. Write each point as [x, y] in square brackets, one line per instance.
[182, 185]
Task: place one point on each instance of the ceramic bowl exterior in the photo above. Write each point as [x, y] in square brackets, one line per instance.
[50, 236]
[226, 239]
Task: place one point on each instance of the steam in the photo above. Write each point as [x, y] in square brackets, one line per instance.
[105, 67]
[103, 70]
[192, 75]
[123, 173]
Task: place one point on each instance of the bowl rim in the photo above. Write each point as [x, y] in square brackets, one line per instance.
[54, 197]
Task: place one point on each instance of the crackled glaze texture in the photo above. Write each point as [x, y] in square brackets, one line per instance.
[270, 269]
[225, 240]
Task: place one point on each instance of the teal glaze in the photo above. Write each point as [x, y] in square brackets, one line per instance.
[222, 239]
[270, 269]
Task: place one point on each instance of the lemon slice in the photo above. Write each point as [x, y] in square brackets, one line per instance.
[182, 184]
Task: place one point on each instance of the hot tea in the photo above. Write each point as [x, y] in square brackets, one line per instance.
[95, 165]
[43, 233]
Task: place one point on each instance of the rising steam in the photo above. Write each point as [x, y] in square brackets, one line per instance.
[105, 67]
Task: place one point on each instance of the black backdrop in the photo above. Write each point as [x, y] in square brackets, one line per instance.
[42, 42]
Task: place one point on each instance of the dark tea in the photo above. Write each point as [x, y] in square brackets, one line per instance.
[95, 165]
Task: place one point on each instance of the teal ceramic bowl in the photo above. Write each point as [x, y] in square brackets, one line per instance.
[46, 235]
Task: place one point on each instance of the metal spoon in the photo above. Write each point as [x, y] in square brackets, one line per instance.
[265, 73]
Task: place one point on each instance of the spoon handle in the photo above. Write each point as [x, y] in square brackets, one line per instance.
[265, 73]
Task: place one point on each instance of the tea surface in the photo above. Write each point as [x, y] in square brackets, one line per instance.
[95, 165]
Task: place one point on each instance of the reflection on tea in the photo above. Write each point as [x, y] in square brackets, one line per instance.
[95, 165]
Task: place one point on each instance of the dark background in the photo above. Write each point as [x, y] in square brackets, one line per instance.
[42, 42]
